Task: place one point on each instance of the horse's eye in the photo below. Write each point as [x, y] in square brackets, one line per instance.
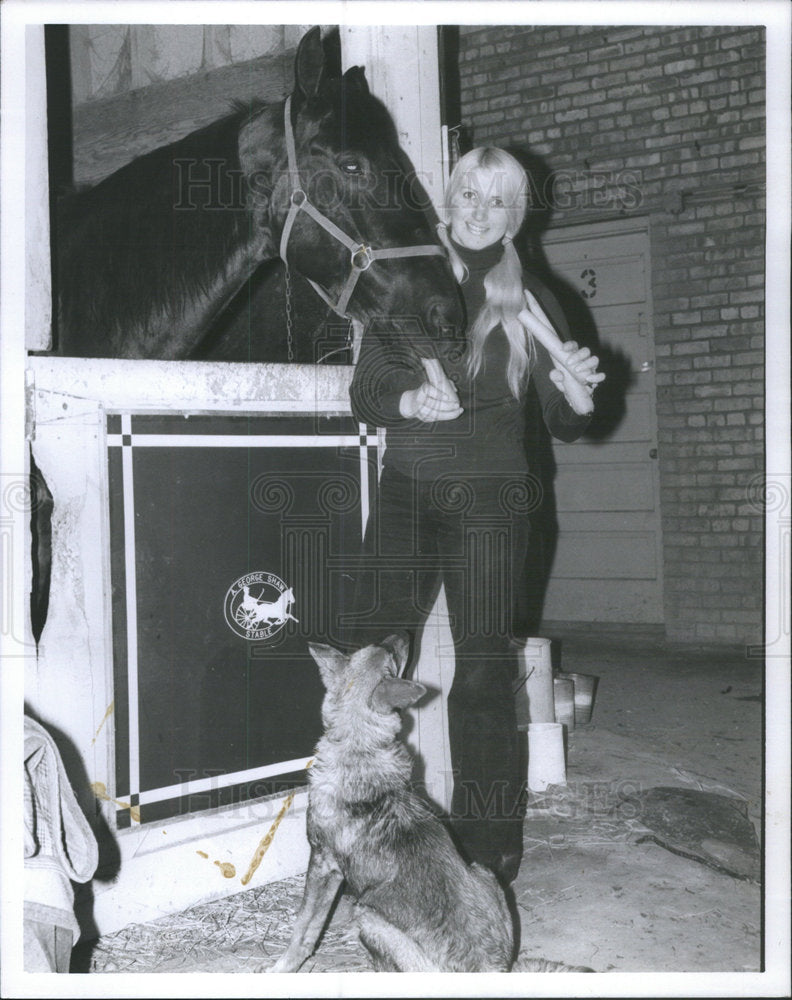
[351, 166]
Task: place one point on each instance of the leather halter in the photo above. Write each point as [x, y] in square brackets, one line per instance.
[362, 256]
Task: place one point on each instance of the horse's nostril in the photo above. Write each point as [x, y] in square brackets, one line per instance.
[445, 318]
[440, 314]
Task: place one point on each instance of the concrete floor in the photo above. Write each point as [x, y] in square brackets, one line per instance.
[665, 715]
[587, 893]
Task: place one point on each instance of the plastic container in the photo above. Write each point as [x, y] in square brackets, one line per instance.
[534, 695]
[546, 763]
[585, 692]
[564, 696]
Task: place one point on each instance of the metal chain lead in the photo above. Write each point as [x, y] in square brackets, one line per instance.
[289, 324]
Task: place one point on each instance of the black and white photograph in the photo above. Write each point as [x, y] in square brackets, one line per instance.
[395, 498]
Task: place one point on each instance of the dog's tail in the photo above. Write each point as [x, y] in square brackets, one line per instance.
[525, 964]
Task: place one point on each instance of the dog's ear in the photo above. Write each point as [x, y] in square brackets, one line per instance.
[398, 645]
[395, 692]
[330, 661]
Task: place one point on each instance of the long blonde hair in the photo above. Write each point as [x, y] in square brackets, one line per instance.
[503, 283]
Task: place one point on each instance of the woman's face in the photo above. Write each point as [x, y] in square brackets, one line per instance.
[478, 216]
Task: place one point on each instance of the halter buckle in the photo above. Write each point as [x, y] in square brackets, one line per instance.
[362, 257]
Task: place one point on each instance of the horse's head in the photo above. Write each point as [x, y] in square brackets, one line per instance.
[352, 171]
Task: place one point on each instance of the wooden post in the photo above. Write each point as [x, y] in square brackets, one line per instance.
[38, 292]
[402, 70]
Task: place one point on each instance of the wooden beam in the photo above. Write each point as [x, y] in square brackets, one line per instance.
[38, 279]
[111, 132]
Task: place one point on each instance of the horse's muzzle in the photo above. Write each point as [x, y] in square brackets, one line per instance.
[446, 319]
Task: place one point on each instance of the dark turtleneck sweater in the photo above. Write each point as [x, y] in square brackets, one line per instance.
[489, 436]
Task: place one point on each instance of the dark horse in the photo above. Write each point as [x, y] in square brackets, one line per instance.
[150, 258]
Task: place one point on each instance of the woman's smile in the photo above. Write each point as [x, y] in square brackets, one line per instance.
[475, 228]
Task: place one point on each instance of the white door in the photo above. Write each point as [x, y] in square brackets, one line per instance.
[608, 558]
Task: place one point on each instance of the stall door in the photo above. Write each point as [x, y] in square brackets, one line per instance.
[607, 564]
[230, 538]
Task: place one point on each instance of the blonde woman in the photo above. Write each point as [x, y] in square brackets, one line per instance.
[456, 491]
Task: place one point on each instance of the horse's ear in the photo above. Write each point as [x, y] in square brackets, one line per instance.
[355, 78]
[331, 663]
[331, 43]
[309, 64]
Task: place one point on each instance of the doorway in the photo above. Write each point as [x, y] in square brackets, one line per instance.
[607, 565]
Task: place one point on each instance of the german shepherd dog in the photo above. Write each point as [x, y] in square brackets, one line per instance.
[419, 906]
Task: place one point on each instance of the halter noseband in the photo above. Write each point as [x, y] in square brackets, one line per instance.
[361, 257]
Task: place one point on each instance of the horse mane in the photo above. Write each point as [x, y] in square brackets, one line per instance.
[130, 248]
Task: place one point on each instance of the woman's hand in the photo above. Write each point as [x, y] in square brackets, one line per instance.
[435, 399]
[581, 361]
[575, 368]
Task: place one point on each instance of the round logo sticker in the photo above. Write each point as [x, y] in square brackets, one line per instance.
[257, 605]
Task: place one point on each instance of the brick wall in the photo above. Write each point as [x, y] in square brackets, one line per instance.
[667, 123]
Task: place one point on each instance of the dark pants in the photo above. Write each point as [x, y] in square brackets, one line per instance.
[472, 536]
